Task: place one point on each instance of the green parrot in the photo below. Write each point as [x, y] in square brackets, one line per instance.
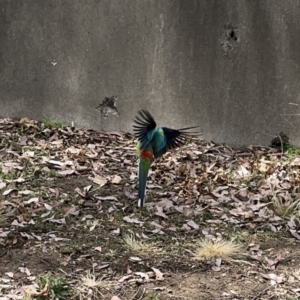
[152, 143]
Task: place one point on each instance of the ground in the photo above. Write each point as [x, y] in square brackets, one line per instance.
[69, 211]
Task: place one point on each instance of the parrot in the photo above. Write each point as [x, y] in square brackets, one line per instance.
[153, 143]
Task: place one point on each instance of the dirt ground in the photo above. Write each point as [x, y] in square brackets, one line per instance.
[69, 201]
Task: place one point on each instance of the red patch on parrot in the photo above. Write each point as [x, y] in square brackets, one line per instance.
[147, 154]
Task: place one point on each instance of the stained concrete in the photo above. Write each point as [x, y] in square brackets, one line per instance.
[229, 66]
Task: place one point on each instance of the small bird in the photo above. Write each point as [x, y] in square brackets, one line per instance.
[152, 143]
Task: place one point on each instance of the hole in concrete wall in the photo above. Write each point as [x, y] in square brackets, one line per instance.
[281, 141]
[232, 35]
[108, 107]
[231, 32]
[230, 38]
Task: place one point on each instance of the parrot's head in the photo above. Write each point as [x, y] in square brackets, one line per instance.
[161, 131]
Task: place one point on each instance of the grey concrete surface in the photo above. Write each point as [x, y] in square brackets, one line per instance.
[229, 66]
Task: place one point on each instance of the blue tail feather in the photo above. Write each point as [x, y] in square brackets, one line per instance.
[142, 175]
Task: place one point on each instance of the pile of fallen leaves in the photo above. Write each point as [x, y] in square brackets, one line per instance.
[200, 187]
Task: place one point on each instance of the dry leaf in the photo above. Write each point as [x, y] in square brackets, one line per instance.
[100, 180]
[117, 179]
[192, 224]
[158, 274]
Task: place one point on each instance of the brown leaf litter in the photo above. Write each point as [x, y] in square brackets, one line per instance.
[68, 200]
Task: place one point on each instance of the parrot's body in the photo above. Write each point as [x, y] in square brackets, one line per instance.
[152, 143]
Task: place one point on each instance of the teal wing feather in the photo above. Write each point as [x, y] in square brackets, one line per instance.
[159, 143]
[165, 139]
[177, 137]
[161, 139]
[144, 128]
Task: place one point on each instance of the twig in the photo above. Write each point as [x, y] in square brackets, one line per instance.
[262, 292]
[257, 221]
[291, 115]
[288, 121]
[139, 294]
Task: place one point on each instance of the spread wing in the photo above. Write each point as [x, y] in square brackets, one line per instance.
[177, 137]
[144, 123]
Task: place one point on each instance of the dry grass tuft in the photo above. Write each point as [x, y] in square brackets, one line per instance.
[89, 280]
[285, 209]
[90, 285]
[27, 296]
[5, 215]
[139, 246]
[226, 250]
[296, 273]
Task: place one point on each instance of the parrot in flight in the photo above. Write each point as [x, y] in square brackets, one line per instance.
[152, 143]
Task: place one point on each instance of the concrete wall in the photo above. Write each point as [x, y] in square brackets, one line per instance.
[230, 66]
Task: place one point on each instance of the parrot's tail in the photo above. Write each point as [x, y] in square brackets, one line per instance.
[144, 167]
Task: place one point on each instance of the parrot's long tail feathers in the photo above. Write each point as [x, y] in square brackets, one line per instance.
[144, 123]
[143, 174]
